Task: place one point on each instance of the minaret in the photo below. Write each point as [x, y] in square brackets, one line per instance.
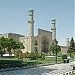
[67, 42]
[53, 30]
[31, 23]
[31, 30]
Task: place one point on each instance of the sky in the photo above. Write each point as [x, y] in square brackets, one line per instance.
[14, 17]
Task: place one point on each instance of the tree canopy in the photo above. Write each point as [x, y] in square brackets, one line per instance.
[9, 44]
[55, 48]
[72, 46]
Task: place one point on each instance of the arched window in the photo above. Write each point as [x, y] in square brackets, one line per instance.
[45, 44]
[36, 49]
[36, 43]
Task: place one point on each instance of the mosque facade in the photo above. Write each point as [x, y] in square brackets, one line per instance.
[42, 41]
[44, 38]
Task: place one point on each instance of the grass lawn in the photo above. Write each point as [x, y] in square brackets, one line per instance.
[72, 54]
[5, 58]
[46, 60]
[50, 60]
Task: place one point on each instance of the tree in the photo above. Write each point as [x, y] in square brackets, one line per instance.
[13, 45]
[71, 47]
[26, 54]
[33, 56]
[3, 45]
[55, 48]
[9, 44]
[17, 48]
[1, 51]
[19, 54]
[42, 55]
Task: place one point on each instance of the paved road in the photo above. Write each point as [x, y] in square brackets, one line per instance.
[57, 69]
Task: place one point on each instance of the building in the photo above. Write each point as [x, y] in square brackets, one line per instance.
[40, 43]
[12, 35]
[43, 40]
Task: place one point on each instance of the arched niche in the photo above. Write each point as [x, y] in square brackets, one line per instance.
[45, 44]
[36, 42]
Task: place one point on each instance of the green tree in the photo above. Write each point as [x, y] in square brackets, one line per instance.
[10, 45]
[33, 56]
[42, 55]
[13, 45]
[71, 47]
[26, 54]
[17, 48]
[3, 45]
[19, 54]
[1, 51]
[55, 48]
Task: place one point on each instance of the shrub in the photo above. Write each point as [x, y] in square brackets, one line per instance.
[64, 57]
[42, 56]
[33, 56]
[10, 63]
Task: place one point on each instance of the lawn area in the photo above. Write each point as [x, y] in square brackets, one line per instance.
[50, 60]
[5, 58]
[14, 62]
[72, 54]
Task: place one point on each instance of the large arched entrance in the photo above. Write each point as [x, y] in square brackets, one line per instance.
[45, 44]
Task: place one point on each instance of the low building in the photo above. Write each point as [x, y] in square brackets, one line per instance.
[12, 35]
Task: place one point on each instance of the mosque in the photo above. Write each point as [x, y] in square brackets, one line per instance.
[41, 42]
[44, 38]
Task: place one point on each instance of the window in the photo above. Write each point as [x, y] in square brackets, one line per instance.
[36, 43]
[36, 49]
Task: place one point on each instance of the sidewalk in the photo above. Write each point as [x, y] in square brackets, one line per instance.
[61, 69]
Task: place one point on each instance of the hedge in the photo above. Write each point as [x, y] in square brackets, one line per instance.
[10, 63]
[15, 63]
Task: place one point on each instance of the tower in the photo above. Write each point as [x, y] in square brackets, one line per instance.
[67, 42]
[53, 30]
[31, 23]
[31, 30]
